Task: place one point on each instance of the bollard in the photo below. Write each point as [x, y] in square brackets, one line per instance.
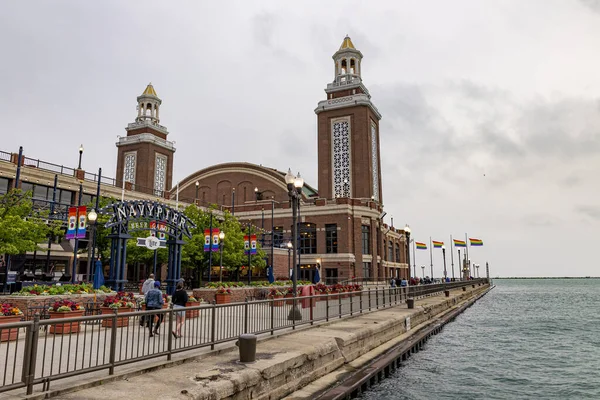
[447, 293]
[410, 302]
[247, 345]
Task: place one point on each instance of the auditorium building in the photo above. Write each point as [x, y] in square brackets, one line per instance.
[341, 225]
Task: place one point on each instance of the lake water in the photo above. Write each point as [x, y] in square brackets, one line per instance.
[526, 339]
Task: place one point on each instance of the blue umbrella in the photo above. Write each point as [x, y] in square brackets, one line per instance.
[99, 275]
[270, 275]
[316, 277]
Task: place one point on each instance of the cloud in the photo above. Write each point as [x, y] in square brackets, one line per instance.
[589, 211]
[594, 5]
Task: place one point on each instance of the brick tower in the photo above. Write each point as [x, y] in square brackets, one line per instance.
[348, 132]
[145, 156]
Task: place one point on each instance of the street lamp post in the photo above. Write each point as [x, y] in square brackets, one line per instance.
[477, 267]
[92, 217]
[461, 269]
[221, 238]
[423, 268]
[289, 247]
[249, 253]
[407, 231]
[80, 154]
[197, 187]
[444, 255]
[294, 186]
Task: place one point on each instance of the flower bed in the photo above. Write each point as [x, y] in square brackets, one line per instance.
[193, 302]
[65, 309]
[60, 289]
[122, 302]
[8, 315]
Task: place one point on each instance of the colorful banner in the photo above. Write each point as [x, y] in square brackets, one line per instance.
[72, 227]
[421, 246]
[438, 244]
[476, 242]
[460, 243]
[162, 228]
[246, 245]
[206, 240]
[215, 239]
[82, 222]
[253, 244]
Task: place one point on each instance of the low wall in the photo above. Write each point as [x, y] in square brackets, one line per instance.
[25, 302]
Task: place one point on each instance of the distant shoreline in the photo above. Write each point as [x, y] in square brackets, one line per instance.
[548, 277]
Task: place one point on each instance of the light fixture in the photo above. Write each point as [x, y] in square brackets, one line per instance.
[221, 235]
[289, 245]
[255, 189]
[81, 148]
[407, 229]
[443, 247]
[92, 216]
[289, 177]
[298, 181]
[197, 183]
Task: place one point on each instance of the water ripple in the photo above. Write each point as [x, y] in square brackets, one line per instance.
[527, 339]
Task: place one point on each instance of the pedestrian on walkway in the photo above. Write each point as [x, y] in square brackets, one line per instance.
[154, 301]
[148, 284]
[180, 298]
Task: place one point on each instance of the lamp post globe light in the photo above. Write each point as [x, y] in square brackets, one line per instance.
[92, 217]
[289, 247]
[407, 232]
[294, 186]
[80, 154]
[197, 187]
[221, 238]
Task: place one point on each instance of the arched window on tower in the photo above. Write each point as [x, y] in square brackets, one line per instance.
[352, 66]
[344, 68]
[148, 110]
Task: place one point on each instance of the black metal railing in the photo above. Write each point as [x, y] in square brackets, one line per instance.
[44, 350]
[4, 156]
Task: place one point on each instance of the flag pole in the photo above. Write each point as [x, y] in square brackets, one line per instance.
[452, 255]
[467, 253]
[431, 257]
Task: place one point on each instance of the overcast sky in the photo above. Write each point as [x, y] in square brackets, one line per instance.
[491, 109]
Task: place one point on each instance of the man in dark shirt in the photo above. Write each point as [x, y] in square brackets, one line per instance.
[154, 301]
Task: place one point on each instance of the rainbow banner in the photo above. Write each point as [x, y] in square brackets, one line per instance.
[460, 243]
[476, 242]
[437, 245]
[215, 239]
[206, 240]
[421, 246]
[72, 225]
[81, 222]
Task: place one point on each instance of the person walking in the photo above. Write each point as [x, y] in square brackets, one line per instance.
[154, 301]
[148, 284]
[179, 299]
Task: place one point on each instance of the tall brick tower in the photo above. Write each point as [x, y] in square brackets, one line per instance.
[145, 156]
[348, 132]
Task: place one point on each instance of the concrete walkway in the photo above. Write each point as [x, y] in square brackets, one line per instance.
[309, 354]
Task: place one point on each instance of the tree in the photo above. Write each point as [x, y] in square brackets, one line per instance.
[21, 226]
[193, 255]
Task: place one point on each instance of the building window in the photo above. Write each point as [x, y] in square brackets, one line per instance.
[4, 185]
[390, 251]
[130, 165]
[331, 243]
[397, 252]
[341, 158]
[160, 174]
[278, 237]
[374, 161]
[308, 238]
[366, 239]
[366, 270]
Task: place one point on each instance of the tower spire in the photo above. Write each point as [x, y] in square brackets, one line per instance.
[148, 106]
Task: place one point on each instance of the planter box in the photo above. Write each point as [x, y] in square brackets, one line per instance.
[9, 334]
[192, 313]
[72, 327]
[222, 298]
[289, 296]
[277, 302]
[121, 321]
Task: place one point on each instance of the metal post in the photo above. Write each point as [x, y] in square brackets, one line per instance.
[170, 342]
[32, 359]
[408, 253]
[213, 326]
[113, 342]
[19, 160]
[210, 238]
[272, 233]
[431, 257]
[76, 245]
[221, 260]
[462, 273]
[452, 256]
[414, 260]
[51, 215]
[262, 227]
[233, 203]
[444, 255]
[80, 154]
[249, 253]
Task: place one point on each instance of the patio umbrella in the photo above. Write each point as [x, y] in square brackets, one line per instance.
[99, 275]
[270, 274]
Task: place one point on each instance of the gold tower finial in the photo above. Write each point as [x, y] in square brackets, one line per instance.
[150, 90]
[347, 43]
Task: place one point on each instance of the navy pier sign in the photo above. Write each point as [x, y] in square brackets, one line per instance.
[126, 215]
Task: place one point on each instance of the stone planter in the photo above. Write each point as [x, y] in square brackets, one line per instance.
[121, 321]
[277, 302]
[69, 327]
[289, 296]
[222, 298]
[192, 313]
[9, 334]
